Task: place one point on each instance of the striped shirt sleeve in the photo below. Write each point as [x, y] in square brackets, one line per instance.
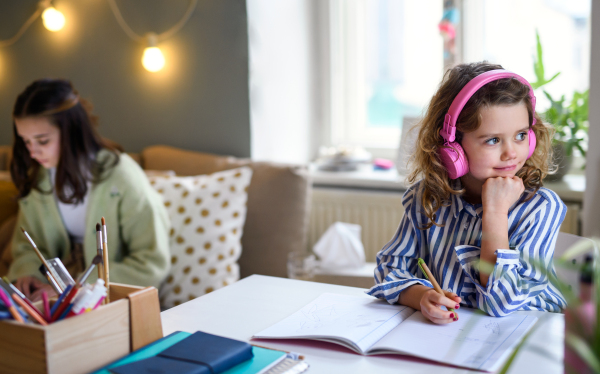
[517, 281]
[397, 262]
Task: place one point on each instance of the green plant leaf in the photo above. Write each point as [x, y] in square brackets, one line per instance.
[568, 119]
[579, 248]
[514, 354]
[583, 350]
[553, 77]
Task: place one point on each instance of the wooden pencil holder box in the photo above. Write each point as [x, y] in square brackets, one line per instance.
[87, 342]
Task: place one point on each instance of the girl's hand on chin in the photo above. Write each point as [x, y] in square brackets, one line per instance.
[500, 193]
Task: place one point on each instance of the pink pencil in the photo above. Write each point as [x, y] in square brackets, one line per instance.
[46, 306]
[9, 305]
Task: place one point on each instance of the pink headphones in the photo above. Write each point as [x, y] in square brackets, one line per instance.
[452, 155]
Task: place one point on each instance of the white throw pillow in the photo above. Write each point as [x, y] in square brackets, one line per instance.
[207, 215]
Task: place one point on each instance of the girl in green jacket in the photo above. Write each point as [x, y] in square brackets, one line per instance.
[68, 178]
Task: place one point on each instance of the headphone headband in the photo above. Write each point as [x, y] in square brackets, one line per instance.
[449, 130]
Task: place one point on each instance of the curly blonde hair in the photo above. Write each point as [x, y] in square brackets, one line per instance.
[425, 163]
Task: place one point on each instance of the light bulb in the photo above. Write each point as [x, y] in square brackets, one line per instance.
[53, 19]
[153, 59]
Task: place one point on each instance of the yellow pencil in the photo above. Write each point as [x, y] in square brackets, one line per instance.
[434, 283]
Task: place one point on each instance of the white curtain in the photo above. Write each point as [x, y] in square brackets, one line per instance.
[284, 96]
[591, 198]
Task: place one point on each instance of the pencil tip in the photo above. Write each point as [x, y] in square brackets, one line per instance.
[103, 222]
[97, 227]
[22, 229]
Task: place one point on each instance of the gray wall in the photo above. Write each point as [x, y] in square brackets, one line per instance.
[199, 101]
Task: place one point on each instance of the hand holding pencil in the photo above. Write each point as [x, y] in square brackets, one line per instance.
[432, 299]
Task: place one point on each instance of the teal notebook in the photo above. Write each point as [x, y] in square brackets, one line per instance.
[263, 358]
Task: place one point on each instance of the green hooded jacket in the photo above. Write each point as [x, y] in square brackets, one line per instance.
[136, 220]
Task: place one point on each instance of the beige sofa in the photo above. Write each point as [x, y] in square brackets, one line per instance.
[277, 211]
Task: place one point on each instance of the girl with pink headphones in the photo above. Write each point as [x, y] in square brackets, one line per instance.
[476, 194]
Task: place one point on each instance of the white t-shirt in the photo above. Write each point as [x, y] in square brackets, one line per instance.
[73, 215]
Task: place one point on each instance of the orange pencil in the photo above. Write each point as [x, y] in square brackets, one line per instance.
[11, 308]
[35, 315]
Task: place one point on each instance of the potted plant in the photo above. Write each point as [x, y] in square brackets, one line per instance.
[569, 118]
[582, 315]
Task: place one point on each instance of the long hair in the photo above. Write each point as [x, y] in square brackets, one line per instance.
[425, 163]
[57, 100]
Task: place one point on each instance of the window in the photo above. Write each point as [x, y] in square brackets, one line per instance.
[504, 32]
[386, 62]
[387, 57]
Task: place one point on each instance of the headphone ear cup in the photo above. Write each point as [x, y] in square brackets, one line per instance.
[532, 141]
[454, 160]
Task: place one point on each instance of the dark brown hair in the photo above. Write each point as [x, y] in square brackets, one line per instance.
[57, 100]
[425, 162]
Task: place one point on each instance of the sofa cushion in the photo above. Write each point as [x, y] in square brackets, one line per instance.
[7, 229]
[277, 218]
[5, 156]
[207, 215]
[278, 204]
[183, 162]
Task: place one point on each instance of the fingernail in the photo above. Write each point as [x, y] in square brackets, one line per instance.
[457, 306]
[455, 319]
[452, 316]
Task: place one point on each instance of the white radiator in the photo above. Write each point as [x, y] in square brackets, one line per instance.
[378, 213]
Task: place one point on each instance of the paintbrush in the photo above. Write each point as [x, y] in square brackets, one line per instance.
[105, 258]
[95, 261]
[100, 252]
[51, 272]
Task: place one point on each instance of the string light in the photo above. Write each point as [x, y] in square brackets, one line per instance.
[153, 59]
[53, 19]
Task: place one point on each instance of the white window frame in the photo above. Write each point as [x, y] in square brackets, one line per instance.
[343, 109]
[347, 110]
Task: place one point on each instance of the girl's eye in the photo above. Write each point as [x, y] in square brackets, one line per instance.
[522, 136]
[492, 141]
[43, 142]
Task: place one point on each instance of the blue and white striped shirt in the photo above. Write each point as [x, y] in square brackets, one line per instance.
[452, 251]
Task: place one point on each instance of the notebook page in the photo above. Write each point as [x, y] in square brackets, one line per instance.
[357, 321]
[476, 340]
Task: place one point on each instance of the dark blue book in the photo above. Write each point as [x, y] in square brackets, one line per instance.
[215, 352]
[161, 365]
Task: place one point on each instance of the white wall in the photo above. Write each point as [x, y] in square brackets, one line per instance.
[591, 199]
[283, 79]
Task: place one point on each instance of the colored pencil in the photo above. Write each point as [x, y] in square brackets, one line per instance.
[32, 312]
[60, 300]
[11, 288]
[431, 279]
[65, 304]
[9, 305]
[46, 304]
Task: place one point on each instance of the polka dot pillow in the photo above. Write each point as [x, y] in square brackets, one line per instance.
[207, 215]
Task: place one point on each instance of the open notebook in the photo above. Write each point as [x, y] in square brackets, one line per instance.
[369, 326]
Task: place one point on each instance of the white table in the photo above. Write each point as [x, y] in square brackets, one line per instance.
[244, 308]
